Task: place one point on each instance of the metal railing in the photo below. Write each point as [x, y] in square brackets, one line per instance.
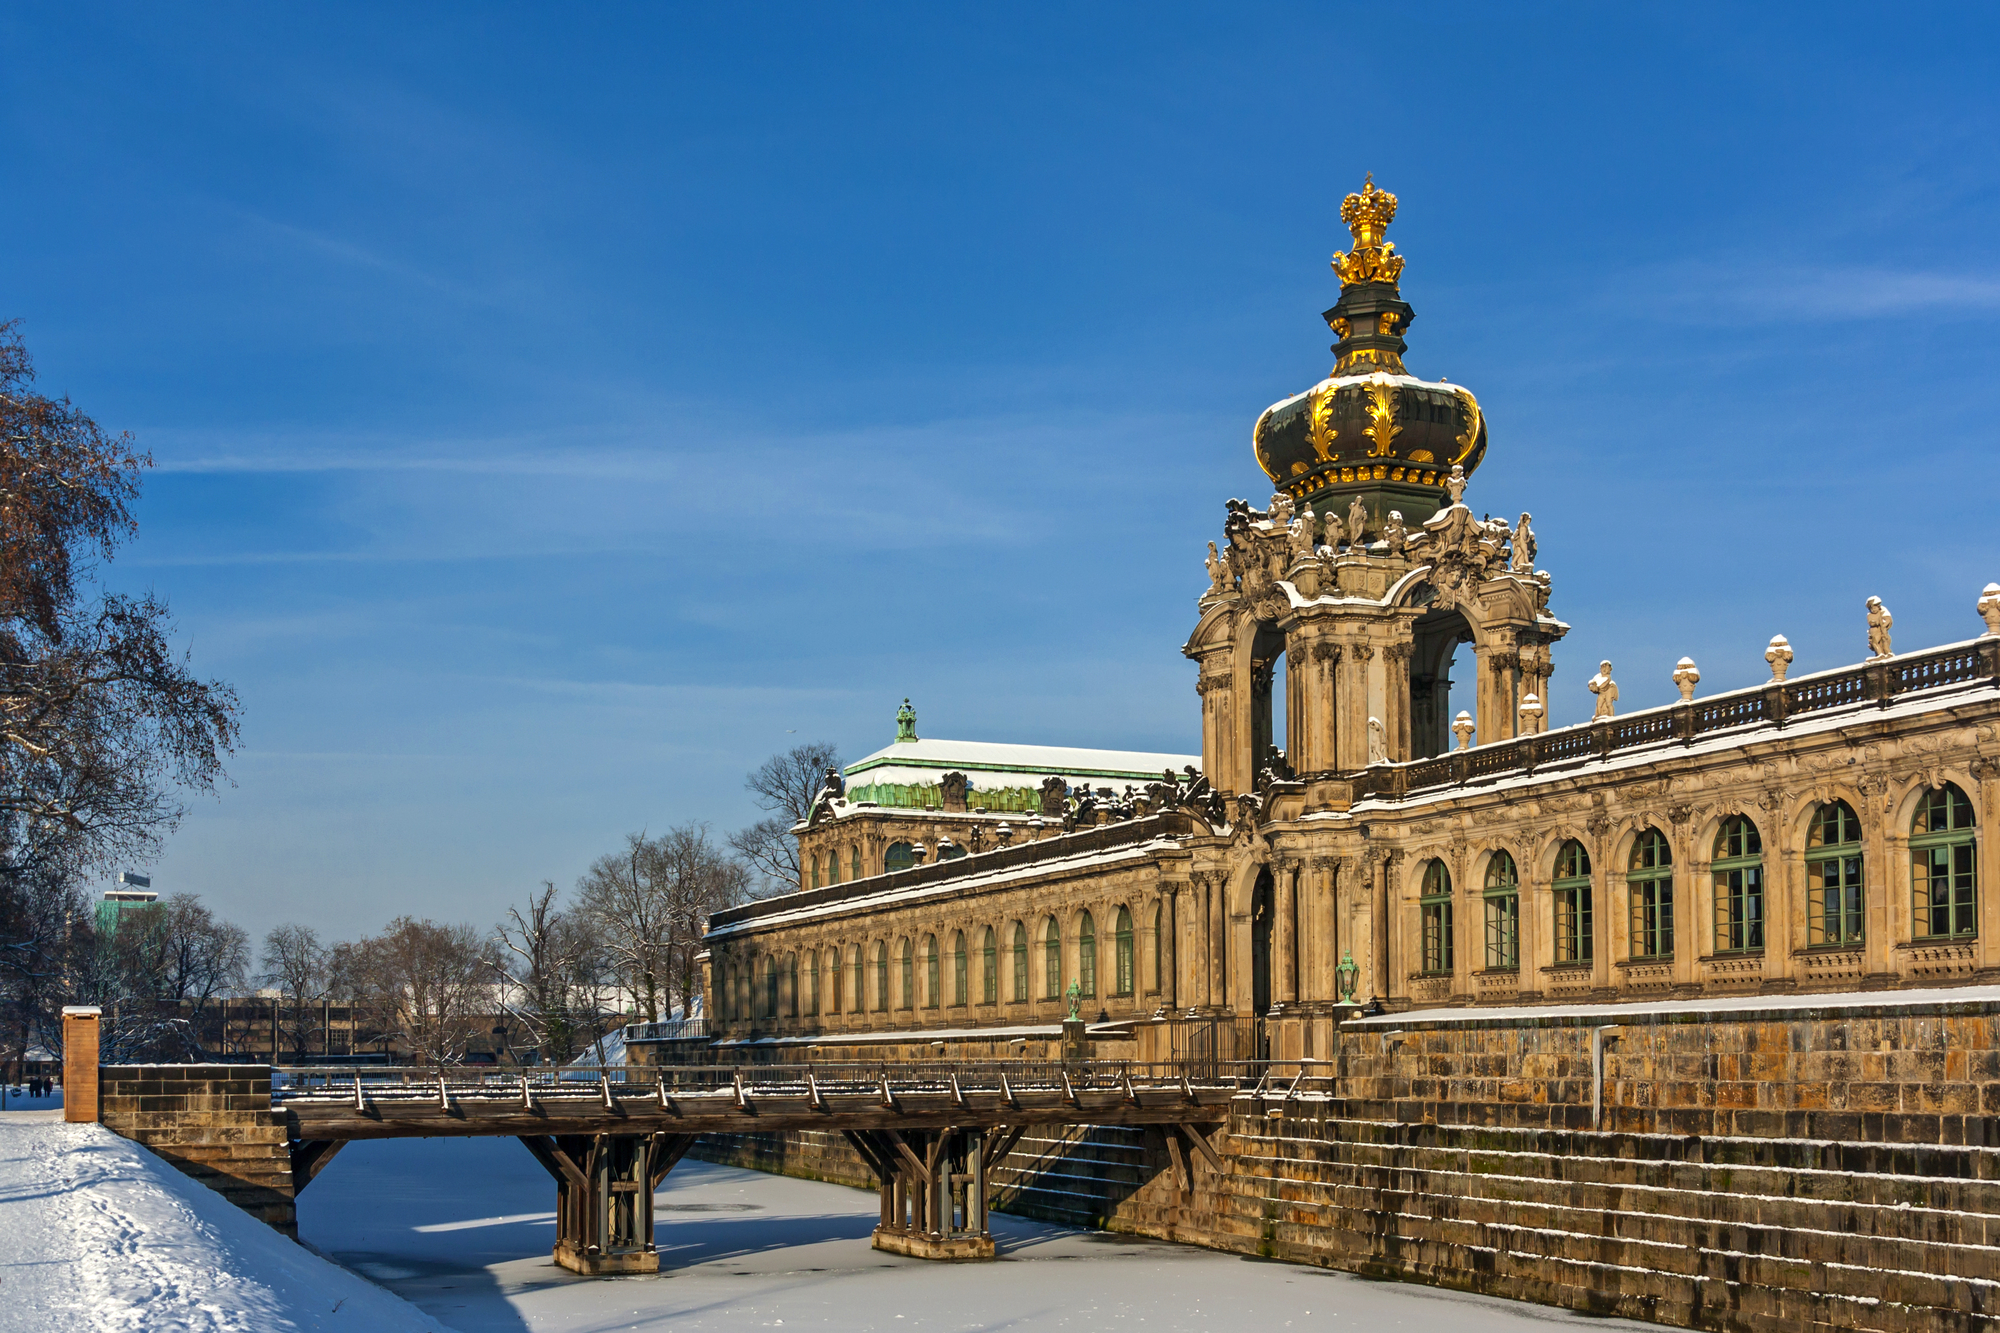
[1879, 682]
[419, 1083]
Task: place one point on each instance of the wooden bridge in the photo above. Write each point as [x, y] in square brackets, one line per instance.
[930, 1133]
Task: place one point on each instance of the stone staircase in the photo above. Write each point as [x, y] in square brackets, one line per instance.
[1722, 1233]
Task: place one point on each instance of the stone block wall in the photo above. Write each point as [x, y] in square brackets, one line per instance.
[213, 1122]
[1881, 1073]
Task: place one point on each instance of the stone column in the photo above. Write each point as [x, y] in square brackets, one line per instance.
[80, 1054]
[1218, 939]
[1379, 931]
[1285, 933]
[1396, 701]
[1170, 965]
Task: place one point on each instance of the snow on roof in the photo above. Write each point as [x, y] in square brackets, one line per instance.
[930, 757]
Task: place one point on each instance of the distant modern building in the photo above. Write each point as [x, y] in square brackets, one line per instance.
[132, 891]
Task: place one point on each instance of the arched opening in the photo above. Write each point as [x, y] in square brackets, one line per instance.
[899, 857]
[1435, 662]
[1263, 899]
[1121, 954]
[1267, 680]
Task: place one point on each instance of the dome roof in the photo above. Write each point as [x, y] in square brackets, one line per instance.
[1370, 428]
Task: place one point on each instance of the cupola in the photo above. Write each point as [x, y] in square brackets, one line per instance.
[1371, 428]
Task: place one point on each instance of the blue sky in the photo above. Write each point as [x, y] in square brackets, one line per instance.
[559, 410]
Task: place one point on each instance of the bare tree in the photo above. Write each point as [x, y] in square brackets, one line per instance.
[425, 984]
[295, 964]
[553, 971]
[99, 721]
[157, 973]
[785, 785]
[651, 902]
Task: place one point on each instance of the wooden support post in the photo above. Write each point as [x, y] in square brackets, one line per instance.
[604, 1203]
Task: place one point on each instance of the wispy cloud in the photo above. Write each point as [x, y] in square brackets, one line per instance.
[1759, 292]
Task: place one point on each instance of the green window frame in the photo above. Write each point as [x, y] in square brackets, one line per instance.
[815, 871]
[989, 969]
[1086, 956]
[932, 993]
[900, 856]
[1121, 954]
[1738, 873]
[1052, 961]
[1650, 883]
[1022, 983]
[1502, 898]
[909, 975]
[881, 977]
[958, 982]
[832, 866]
[1944, 866]
[1575, 932]
[854, 862]
[1434, 916]
[1835, 895]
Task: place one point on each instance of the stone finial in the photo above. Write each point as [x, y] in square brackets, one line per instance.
[1606, 690]
[1531, 714]
[1004, 834]
[1686, 676]
[1779, 655]
[1879, 621]
[1989, 607]
[1462, 727]
[917, 853]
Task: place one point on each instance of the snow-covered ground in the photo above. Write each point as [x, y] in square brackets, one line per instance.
[462, 1227]
[96, 1233]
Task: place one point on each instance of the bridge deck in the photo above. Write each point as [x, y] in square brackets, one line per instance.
[323, 1105]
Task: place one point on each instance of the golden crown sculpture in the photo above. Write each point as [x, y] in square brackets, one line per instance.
[1368, 215]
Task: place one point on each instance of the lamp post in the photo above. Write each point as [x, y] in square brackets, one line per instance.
[1347, 975]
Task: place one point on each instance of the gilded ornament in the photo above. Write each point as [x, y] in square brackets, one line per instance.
[1320, 430]
[1470, 435]
[1367, 215]
[1382, 428]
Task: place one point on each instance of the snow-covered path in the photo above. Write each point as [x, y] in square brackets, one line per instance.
[97, 1233]
[462, 1227]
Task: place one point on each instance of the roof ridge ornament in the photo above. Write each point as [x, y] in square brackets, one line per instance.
[1368, 215]
[906, 722]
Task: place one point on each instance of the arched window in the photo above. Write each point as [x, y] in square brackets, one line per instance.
[932, 993]
[854, 861]
[881, 976]
[792, 975]
[1739, 887]
[1833, 876]
[898, 857]
[1052, 960]
[812, 984]
[835, 965]
[1650, 880]
[1159, 944]
[1086, 955]
[1572, 899]
[770, 996]
[958, 983]
[909, 996]
[1021, 983]
[1503, 913]
[815, 871]
[989, 971]
[1434, 912]
[833, 865]
[856, 1004]
[949, 850]
[1121, 954]
[1943, 866]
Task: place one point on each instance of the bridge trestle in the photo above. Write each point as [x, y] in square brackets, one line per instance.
[604, 1196]
[934, 1188]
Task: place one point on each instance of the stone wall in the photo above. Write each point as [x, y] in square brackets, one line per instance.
[214, 1122]
[1832, 1067]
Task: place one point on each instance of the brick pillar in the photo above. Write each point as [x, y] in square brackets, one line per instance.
[80, 1062]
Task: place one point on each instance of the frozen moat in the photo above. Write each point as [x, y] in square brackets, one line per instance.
[462, 1228]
